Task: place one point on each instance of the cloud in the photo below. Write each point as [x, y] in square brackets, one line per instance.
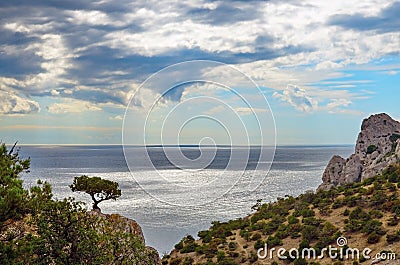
[117, 118]
[224, 13]
[388, 20]
[391, 72]
[94, 51]
[14, 104]
[298, 98]
[72, 106]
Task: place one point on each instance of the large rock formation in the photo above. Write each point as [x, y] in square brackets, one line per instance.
[377, 147]
[123, 225]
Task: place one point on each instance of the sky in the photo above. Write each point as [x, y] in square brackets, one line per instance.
[70, 70]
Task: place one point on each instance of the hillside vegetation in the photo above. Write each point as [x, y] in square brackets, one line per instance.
[37, 229]
[365, 213]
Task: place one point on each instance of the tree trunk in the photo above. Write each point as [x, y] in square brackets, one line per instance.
[95, 206]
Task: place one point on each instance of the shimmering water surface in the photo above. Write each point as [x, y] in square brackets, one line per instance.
[293, 171]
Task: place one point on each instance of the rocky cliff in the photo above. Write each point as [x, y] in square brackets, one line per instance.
[121, 225]
[377, 147]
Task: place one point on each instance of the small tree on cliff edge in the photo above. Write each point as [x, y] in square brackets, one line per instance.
[99, 189]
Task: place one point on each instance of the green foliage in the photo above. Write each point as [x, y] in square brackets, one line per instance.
[99, 189]
[309, 233]
[293, 220]
[366, 205]
[371, 148]
[259, 244]
[373, 238]
[273, 241]
[395, 237]
[300, 262]
[188, 244]
[188, 261]
[255, 236]
[232, 246]
[13, 197]
[41, 230]
[394, 137]
[373, 226]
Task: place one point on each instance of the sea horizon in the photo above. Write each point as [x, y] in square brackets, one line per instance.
[164, 224]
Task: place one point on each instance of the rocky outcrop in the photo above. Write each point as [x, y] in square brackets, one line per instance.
[377, 147]
[123, 225]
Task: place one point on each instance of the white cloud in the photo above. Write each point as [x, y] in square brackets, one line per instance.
[14, 104]
[72, 106]
[54, 92]
[117, 117]
[338, 103]
[391, 72]
[93, 17]
[298, 98]
[248, 111]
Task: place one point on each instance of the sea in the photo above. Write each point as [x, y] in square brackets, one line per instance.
[173, 199]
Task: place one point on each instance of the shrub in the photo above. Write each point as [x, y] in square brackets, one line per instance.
[292, 220]
[373, 238]
[188, 248]
[253, 257]
[273, 241]
[255, 236]
[371, 148]
[373, 226]
[259, 244]
[311, 221]
[346, 212]
[393, 221]
[300, 262]
[391, 238]
[232, 246]
[376, 214]
[175, 261]
[309, 232]
[179, 245]
[187, 261]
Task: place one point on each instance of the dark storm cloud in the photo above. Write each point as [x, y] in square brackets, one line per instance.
[387, 21]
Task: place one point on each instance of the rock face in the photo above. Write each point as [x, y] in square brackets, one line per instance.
[125, 225]
[377, 147]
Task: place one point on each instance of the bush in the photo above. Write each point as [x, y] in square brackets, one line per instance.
[175, 261]
[273, 241]
[391, 238]
[373, 238]
[300, 262]
[179, 245]
[232, 246]
[188, 248]
[372, 148]
[188, 261]
[373, 226]
[309, 233]
[376, 214]
[393, 221]
[255, 236]
[259, 244]
[253, 257]
[292, 220]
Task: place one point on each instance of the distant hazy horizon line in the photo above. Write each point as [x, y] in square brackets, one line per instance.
[191, 145]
